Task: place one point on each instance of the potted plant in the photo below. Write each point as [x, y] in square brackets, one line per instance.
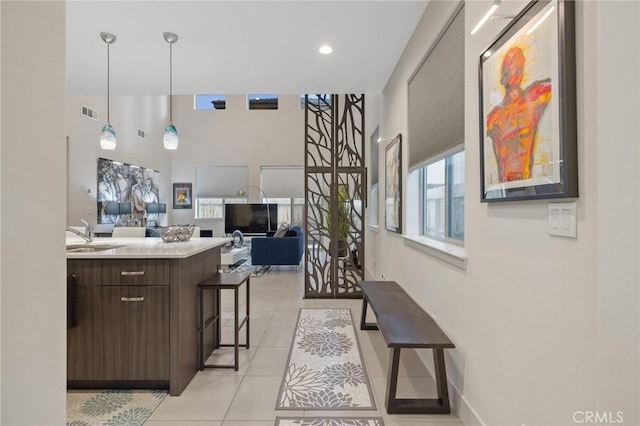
[343, 217]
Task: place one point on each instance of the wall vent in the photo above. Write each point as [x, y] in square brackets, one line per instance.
[142, 133]
[89, 113]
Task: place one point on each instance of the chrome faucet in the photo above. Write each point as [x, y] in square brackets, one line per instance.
[87, 235]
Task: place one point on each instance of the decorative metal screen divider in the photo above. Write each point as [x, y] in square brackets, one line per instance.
[335, 180]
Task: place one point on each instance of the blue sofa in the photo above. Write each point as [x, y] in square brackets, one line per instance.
[287, 250]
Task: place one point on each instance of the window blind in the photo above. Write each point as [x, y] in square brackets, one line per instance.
[436, 96]
[283, 182]
[373, 165]
[221, 181]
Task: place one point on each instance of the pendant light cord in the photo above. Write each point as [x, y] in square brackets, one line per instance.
[171, 83]
[108, 72]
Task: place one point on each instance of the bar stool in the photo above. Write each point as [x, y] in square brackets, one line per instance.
[218, 282]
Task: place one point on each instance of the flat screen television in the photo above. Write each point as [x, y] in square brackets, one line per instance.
[250, 218]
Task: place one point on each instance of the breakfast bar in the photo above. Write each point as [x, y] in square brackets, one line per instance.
[134, 307]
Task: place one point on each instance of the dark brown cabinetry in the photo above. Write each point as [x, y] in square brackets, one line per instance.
[135, 320]
[121, 334]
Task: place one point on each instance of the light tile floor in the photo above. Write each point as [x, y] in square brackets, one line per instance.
[247, 397]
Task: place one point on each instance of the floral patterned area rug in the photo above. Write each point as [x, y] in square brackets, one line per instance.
[329, 421]
[112, 407]
[325, 370]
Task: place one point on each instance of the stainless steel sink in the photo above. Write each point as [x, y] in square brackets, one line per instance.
[91, 247]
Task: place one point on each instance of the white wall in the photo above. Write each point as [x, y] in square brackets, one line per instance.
[531, 313]
[0, 215]
[372, 233]
[235, 136]
[128, 114]
[618, 188]
[33, 169]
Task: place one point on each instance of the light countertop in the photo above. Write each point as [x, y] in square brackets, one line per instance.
[140, 248]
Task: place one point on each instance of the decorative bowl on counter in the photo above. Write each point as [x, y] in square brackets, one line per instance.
[173, 234]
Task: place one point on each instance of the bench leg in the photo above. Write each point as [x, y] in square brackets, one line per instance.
[364, 325]
[417, 405]
[441, 378]
[392, 381]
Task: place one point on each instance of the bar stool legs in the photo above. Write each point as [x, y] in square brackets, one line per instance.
[220, 282]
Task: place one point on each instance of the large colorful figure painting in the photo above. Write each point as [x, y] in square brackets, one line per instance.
[525, 143]
[513, 125]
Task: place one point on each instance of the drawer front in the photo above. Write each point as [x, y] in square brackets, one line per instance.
[120, 271]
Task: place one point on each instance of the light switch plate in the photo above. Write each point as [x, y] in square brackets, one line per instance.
[563, 220]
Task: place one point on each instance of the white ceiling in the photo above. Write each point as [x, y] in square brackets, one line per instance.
[237, 47]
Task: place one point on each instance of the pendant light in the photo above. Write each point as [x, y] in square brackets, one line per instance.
[108, 138]
[170, 136]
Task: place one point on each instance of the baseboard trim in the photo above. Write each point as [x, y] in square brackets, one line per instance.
[368, 276]
[463, 410]
[459, 404]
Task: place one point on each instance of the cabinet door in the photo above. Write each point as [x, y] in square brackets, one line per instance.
[122, 334]
[144, 338]
[85, 355]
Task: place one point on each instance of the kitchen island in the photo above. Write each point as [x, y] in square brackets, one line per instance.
[133, 314]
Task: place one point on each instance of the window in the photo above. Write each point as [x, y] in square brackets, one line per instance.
[290, 210]
[216, 185]
[209, 208]
[442, 198]
[266, 101]
[321, 101]
[211, 102]
[213, 208]
[436, 117]
[284, 186]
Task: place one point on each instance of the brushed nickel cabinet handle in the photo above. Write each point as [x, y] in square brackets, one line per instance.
[131, 273]
[132, 299]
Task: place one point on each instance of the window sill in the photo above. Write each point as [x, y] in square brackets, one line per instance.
[447, 252]
[374, 228]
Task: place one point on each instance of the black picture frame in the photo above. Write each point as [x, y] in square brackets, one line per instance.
[393, 185]
[534, 159]
[182, 196]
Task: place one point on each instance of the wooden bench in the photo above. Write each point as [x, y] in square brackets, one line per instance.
[404, 324]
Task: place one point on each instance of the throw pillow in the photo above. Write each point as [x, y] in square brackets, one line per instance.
[291, 233]
[281, 231]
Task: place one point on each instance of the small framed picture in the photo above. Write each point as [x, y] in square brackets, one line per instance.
[393, 185]
[182, 196]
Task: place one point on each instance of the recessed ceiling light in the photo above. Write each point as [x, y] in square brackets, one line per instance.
[325, 49]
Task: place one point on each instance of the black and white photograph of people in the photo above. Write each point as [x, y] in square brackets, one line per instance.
[122, 183]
